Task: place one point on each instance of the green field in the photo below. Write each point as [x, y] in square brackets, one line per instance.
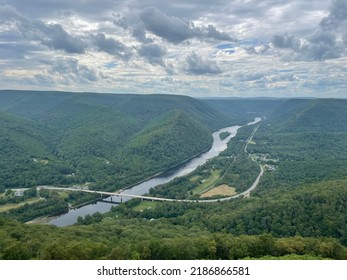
[146, 205]
[208, 183]
[9, 206]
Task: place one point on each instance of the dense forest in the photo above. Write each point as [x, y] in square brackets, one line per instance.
[121, 238]
[65, 138]
[298, 210]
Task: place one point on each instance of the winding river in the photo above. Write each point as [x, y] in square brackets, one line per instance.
[217, 147]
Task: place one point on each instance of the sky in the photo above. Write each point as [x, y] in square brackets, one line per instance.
[200, 48]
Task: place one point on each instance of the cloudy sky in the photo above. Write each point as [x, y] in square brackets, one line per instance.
[193, 47]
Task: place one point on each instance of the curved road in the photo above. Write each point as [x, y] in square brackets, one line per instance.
[246, 193]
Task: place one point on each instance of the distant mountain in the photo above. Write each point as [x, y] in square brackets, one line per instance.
[325, 115]
[36, 105]
[111, 140]
[307, 138]
[30, 103]
[150, 106]
[118, 140]
[244, 107]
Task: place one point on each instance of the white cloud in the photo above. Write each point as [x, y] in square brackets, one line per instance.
[196, 47]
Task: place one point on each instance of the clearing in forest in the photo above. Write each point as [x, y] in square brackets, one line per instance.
[208, 182]
[224, 190]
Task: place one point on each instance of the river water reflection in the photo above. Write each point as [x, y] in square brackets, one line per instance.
[217, 147]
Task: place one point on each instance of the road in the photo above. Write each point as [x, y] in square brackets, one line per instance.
[151, 198]
[246, 193]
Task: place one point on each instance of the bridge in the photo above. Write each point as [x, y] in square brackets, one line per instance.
[246, 193]
[111, 194]
[152, 198]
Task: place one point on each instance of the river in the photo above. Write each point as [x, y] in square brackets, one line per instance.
[217, 147]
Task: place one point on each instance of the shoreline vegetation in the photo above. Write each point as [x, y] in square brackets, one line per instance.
[164, 171]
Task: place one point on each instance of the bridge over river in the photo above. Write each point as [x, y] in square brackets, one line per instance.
[246, 193]
[152, 198]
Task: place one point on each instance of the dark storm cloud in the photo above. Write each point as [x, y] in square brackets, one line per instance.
[286, 41]
[120, 20]
[322, 47]
[153, 53]
[141, 23]
[321, 44]
[111, 46]
[262, 50]
[170, 28]
[139, 33]
[53, 36]
[93, 9]
[11, 44]
[337, 14]
[322, 37]
[7, 12]
[317, 47]
[197, 65]
[211, 32]
[17, 50]
[73, 70]
[344, 38]
[176, 30]
[179, 8]
[133, 24]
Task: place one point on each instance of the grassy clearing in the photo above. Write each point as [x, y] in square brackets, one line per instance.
[9, 206]
[145, 205]
[63, 194]
[194, 178]
[209, 182]
[224, 190]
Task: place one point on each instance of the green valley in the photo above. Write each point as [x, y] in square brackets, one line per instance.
[298, 210]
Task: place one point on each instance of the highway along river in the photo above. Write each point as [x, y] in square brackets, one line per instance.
[217, 147]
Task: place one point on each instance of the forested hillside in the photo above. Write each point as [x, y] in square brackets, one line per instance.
[307, 115]
[245, 107]
[298, 210]
[308, 140]
[68, 138]
[22, 142]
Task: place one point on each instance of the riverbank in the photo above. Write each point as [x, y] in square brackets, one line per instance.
[42, 220]
[181, 169]
[161, 173]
